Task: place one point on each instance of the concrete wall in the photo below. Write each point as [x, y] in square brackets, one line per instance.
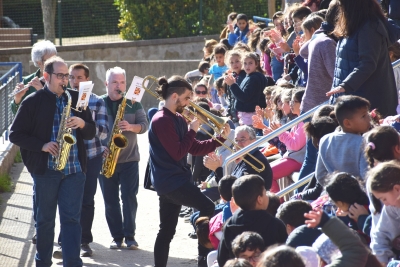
[161, 49]
[163, 57]
[139, 68]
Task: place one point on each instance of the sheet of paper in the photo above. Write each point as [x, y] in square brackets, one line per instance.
[85, 90]
[136, 90]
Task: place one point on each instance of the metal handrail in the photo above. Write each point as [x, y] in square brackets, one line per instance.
[396, 64]
[269, 136]
[294, 186]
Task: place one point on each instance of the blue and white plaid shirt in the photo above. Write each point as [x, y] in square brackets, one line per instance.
[73, 165]
[100, 117]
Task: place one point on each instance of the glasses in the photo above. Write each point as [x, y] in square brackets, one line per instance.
[201, 92]
[61, 76]
[237, 141]
[254, 258]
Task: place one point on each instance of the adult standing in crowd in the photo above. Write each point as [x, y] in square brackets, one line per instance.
[126, 175]
[363, 65]
[170, 142]
[41, 51]
[35, 130]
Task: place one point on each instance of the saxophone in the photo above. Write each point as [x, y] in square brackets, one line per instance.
[117, 142]
[65, 139]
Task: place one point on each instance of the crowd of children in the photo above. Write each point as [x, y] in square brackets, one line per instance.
[263, 77]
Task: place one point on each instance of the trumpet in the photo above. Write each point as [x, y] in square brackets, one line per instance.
[214, 122]
[23, 89]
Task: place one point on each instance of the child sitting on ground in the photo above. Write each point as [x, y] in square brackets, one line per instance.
[248, 246]
[384, 183]
[351, 200]
[343, 150]
[250, 195]
[291, 213]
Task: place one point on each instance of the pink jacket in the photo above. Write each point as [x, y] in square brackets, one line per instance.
[215, 226]
[295, 139]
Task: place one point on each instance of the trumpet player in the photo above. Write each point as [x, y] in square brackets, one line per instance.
[41, 51]
[170, 142]
[35, 129]
[122, 226]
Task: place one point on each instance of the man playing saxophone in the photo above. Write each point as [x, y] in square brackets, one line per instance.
[132, 121]
[35, 130]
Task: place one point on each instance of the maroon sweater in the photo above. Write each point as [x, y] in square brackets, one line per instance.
[170, 142]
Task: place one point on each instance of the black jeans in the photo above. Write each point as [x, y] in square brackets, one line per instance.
[170, 206]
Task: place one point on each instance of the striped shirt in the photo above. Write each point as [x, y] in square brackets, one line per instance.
[100, 117]
[73, 165]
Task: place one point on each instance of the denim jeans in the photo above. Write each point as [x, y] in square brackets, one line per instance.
[51, 188]
[170, 206]
[93, 170]
[126, 175]
[310, 162]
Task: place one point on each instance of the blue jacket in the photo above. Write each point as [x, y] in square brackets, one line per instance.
[238, 36]
[363, 67]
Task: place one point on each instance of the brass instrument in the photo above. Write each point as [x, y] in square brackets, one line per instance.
[217, 123]
[65, 139]
[117, 142]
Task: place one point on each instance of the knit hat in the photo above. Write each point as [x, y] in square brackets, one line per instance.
[309, 256]
[326, 249]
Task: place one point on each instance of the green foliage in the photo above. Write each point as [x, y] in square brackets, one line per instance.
[5, 183]
[79, 18]
[18, 158]
[145, 19]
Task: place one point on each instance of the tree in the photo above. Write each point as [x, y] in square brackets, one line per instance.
[49, 16]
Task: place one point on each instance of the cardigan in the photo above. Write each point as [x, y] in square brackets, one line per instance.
[33, 124]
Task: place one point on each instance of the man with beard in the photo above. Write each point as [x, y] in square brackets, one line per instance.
[170, 142]
[126, 174]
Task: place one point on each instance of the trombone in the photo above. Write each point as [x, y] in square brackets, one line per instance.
[214, 122]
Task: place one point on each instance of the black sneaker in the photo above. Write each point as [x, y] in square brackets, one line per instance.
[34, 239]
[193, 235]
[86, 251]
[201, 261]
[116, 244]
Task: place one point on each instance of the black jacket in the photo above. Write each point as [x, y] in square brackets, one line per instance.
[33, 124]
[271, 229]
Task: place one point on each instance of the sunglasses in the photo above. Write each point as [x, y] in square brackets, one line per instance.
[201, 92]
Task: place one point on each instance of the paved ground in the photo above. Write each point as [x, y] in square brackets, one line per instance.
[17, 228]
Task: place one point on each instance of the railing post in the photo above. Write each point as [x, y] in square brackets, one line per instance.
[59, 22]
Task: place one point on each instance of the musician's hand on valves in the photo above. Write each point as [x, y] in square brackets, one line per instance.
[229, 79]
[125, 126]
[51, 147]
[106, 152]
[75, 123]
[35, 82]
[194, 125]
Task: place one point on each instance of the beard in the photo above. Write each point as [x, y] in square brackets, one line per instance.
[179, 106]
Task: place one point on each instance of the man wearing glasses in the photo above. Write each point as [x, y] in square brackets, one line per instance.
[34, 130]
[244, 136]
